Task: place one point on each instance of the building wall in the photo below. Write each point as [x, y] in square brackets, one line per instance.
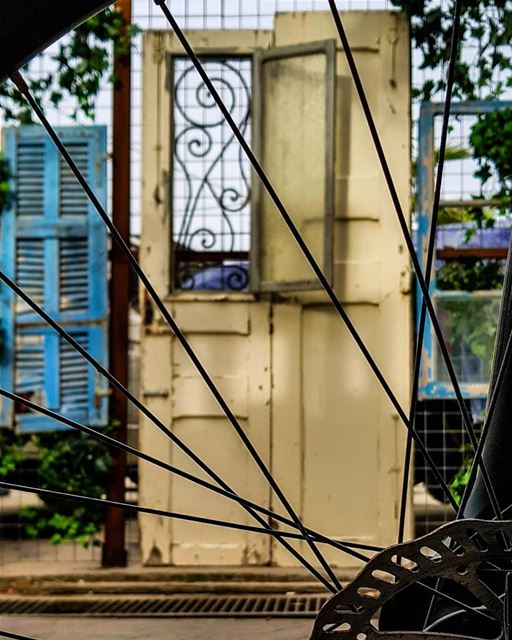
[286, 364]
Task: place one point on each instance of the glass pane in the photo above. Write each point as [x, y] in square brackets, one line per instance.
[211, 177]
[469, 328]
[293, 153]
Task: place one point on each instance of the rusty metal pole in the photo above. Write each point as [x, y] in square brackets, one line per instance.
[114, 548]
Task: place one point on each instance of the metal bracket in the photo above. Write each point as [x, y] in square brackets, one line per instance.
[475, 556]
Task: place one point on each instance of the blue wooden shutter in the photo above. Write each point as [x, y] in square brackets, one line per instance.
[54, 245]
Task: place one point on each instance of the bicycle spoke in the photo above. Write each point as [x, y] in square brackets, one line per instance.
[304, 248]
[103, 502]
[487, 423]
[452, 600]
[98, 435]
[17, 78]
[14, 636]
[428, 270]
[407, 237]
[62, 332]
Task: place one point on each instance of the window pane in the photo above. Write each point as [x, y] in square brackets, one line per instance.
[211, 177]
[296, 151]
[469, 328]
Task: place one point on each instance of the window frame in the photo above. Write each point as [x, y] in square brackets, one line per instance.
[214, 53]
[258, 56]
[328, 48]
[430, 386]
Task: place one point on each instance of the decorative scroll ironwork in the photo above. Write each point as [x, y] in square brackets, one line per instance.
[211, 185]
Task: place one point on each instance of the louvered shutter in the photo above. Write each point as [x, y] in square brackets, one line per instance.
[54, 245]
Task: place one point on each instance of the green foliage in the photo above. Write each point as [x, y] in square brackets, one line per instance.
[77, 525]
[482, 73]
[11, 452]
[461, 478]
[491, 138]
[73, 462]
[5, 192]
[471, 322]
[470, 274]
[470, 326]
[67, 461]
[83, 60]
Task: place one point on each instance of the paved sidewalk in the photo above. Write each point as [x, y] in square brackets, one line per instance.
[64, 628]
[34, 567]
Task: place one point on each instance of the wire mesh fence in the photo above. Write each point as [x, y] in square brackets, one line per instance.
[439, 420]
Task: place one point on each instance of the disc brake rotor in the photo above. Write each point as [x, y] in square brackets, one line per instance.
[468, 557]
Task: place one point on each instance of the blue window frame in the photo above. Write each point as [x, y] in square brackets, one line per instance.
[459, 311]
[54, 246]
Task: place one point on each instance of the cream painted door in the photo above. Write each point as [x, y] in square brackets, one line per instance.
[232, 340]
[337, 443]
[286, 364]
[230, 333]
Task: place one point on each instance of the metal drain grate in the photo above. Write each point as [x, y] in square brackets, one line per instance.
[250, 606]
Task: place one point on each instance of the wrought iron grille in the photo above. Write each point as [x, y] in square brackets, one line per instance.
[211, 177]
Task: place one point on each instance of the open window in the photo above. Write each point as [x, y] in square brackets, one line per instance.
[226, 233]
[211, 187]
[470, 258]
[294, 108]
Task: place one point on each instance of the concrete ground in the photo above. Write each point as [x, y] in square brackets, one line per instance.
[64, 628]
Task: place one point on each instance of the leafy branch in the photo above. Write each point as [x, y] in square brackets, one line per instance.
[83, 60]
[491, 139]
[484, 69]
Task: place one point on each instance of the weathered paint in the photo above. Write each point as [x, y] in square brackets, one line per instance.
[429, 386]
[64, 226]
[288, 367]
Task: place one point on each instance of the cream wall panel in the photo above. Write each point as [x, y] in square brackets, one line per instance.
[212, 317]
[357, 240]
[341, 421]
[287, 413]
[155, 483]
[358, 283]
[359, 197]
[215, 440]
[221, 354]
[365, 29]
[192, 398]
[229, 41]
[357, 266]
